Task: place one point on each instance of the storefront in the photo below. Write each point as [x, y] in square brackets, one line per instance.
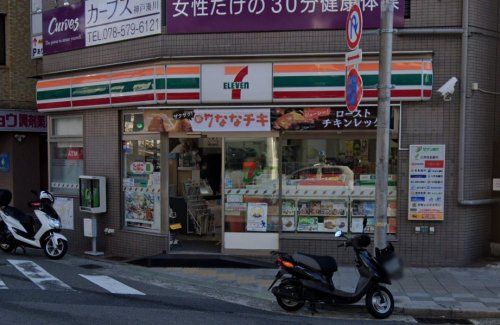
[240, 154]
[23, 154]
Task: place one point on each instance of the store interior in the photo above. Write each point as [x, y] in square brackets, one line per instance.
[195, 167]
[327, 185]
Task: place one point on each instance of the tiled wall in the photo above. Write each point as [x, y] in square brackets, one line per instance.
[102, 158]
[424, 13]
[17, 87]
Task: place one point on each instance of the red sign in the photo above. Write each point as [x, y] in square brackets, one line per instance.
[354, 90]
[353, 58]
[315, 113]
[434, 164]
[74, 154]
[238, 80]
[354, 27]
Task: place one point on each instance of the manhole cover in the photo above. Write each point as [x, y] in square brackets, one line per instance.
[443, 321]
[91, 266]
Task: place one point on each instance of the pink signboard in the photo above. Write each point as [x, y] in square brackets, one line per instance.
[22, 121]
[64, 29]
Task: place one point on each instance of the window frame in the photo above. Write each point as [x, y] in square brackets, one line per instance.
[3, 40]
[346, 135]
[54, 139]
[144, 134]
[407, 9]
[33, 13]
[139, 136]
[51, 135]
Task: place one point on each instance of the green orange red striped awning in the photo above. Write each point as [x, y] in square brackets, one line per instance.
[319, 82]
[181, 84]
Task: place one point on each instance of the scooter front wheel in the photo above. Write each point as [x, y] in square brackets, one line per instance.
[379, 302]
[56, 251]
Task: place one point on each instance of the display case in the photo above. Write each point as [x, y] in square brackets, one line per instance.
[289, 215]
[92, 194]
[362, 202]
[252, 209]
[315, 209]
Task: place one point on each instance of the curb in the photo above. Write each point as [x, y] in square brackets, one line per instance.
[447, 313]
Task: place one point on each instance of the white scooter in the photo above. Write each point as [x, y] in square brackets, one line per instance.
[18, 229]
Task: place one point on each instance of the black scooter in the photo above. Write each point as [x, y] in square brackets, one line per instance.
[308, 278]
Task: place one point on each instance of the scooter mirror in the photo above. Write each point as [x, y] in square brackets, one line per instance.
[338, 234]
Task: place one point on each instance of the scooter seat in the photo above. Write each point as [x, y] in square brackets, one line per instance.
[323, 264]
[24, 219]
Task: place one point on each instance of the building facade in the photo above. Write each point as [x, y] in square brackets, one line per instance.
[234, 125]
[23, 141]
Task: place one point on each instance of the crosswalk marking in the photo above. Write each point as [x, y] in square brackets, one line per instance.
[38, 275]
[2, 285]
[112, 285]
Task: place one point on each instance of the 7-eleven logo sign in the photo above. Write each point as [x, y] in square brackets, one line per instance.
[238, 84]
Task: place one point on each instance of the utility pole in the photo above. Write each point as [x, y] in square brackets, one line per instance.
[383, 121]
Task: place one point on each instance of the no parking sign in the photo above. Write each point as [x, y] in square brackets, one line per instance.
[353, 81]
[354, 90]
[354, 27]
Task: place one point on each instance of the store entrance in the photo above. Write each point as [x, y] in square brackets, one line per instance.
[195, 169]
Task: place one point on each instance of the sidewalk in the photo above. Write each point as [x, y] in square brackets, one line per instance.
[451, 292]
[432, 292]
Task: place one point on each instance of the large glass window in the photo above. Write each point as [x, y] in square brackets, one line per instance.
[66, 154]
[66, 166]
[251, 185]
[133, 122]
[329, 184]
[141, 175]
[67, 126]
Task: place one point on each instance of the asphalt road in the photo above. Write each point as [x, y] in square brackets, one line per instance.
[35, 290]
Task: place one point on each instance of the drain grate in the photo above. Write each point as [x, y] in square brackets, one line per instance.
[444, 321]
[201, 261]
[117, 258]
[91, 266]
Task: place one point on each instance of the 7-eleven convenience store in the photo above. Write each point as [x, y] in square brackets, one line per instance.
[248, 156]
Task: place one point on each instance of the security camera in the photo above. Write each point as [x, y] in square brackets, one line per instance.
[448, 89]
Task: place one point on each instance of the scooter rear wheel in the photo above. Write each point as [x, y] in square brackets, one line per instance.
[289, 304]
[379, 302]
